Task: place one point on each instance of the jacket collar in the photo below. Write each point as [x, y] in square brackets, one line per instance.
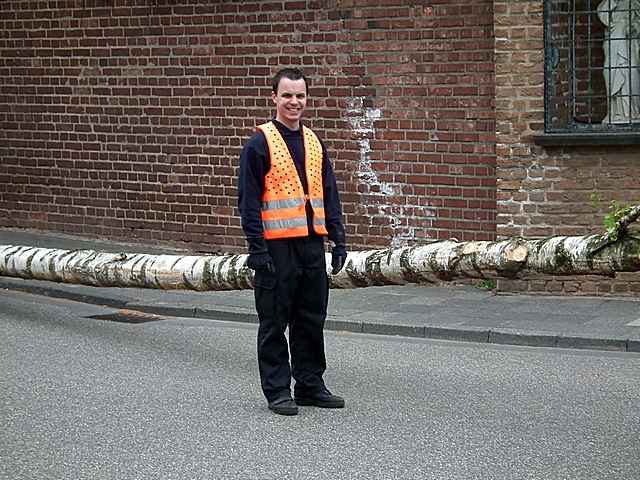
[286, 131]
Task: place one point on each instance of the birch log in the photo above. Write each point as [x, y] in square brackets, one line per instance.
[431, 263]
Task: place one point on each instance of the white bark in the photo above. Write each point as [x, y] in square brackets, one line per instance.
[435, 262]
[88, 267]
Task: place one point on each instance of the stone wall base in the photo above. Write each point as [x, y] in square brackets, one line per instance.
[622, 285]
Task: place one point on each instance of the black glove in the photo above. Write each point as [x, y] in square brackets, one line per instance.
[338, 258]
[259, 258]
[261, 261]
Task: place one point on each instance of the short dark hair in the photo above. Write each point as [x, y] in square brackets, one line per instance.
[291, 74]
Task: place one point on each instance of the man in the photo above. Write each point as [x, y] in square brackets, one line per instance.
[289, 202]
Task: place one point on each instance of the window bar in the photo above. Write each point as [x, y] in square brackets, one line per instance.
[589, 44]
[630, 62]
[572, 74]
[634, 41]
[548, 64]
[609, 68]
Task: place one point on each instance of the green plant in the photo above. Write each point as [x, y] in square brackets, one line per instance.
[486, 284]
[617, 211]
[596, 199]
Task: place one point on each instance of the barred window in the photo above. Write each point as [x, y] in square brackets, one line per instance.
[592, 66]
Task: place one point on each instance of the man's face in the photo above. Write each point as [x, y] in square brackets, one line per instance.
[290, 100]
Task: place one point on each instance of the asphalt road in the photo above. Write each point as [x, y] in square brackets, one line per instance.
[84, 398]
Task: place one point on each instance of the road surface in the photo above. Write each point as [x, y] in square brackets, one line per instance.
[177, 398]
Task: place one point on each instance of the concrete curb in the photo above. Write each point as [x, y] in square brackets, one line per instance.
[465, 334]
[51, 291]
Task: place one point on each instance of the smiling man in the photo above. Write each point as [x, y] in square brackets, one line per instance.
[289, 203]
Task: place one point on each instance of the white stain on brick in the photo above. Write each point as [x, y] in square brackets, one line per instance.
[361, 120]
[379, 194]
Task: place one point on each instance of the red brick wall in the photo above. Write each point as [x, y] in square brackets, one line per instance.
[548, 191]
[127, 121]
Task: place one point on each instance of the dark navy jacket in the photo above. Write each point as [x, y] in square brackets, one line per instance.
[254, 165]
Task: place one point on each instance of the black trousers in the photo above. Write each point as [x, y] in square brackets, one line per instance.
[296, 297]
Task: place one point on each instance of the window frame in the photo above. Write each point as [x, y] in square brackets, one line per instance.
[570, 130]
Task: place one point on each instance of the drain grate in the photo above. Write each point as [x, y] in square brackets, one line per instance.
[128, 316]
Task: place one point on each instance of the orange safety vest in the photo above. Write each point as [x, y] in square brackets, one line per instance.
[283, 200]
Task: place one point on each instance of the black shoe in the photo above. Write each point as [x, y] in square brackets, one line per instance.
[284, 406]
[323, 399]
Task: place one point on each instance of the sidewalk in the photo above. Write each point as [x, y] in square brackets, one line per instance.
[461, 313]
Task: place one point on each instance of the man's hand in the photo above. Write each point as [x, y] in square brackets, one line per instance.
[338, 258]
[261, 261]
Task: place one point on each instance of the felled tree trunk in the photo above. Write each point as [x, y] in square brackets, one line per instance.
[435, 262]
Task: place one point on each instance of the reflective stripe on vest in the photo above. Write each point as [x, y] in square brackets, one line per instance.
[283, 201]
